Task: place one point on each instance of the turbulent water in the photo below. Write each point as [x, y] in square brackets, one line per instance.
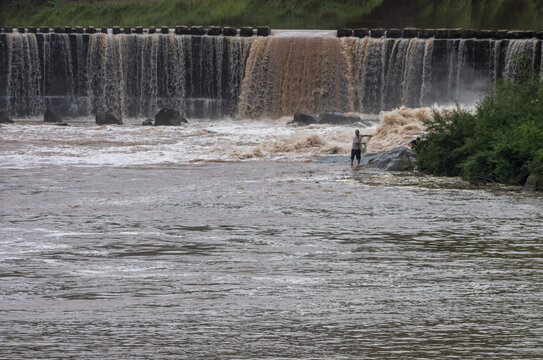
[214, 77]
[225, 239]
[239, 236]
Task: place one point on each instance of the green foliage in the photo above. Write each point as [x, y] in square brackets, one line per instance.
[300, 14]
[279, 14]
[502, 141]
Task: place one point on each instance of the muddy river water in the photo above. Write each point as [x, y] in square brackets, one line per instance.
[115, 244]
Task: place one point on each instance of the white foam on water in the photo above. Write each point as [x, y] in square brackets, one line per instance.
[34, 144]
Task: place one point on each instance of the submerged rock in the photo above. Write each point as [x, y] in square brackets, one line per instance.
[529, 186]
[62, 124]
[329, 118]
[335, 118]
[108, 118]
[4, 117]
[304, 119]
[398, 159]
[169, 117]
[51, 116]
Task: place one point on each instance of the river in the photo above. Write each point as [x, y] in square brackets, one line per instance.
[226, 240]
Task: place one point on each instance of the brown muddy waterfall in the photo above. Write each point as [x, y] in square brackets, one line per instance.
[214, 77]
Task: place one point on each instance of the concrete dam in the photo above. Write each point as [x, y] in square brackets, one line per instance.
[203, 74]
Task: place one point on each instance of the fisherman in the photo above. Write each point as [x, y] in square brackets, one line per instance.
[415, 141]
[356, 149]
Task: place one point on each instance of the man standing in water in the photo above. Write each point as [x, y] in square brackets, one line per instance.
[356, 149]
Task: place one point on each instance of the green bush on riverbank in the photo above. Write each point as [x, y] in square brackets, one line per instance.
[502, 141]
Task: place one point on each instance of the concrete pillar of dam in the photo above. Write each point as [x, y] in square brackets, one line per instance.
[377, 33]
[229, 31]
[344, 33]
[214, 31]
[393, 33]
[360, 33]
[263, 31]
[410, 33]
[246, 31]
[197, 30]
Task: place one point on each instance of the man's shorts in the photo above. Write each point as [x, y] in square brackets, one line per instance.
[355, 152]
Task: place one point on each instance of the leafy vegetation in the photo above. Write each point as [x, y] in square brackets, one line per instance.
[280, 14]
[311, 14]
[501, 141]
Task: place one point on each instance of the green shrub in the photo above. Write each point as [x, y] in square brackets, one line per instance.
[501, 141]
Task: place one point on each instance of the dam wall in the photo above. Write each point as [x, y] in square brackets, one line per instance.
[134, 72]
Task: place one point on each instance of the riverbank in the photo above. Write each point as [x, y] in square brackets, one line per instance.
[279, 14]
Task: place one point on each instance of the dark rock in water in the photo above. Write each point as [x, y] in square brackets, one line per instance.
[398, 159]
[148, 122]
[51, 116]
[62, 124]
[169, 117]
[330, 118]
[338, 118]
[529, 186]
[4, 118]
[108, 118]
[304, 119]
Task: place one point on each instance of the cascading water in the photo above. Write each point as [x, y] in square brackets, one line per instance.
[213, 77]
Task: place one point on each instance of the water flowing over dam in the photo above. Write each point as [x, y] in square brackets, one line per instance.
[216, 76]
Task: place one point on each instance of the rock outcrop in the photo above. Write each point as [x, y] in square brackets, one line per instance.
[169, 117]
[335, 118]
[529, 185]
[51, 116]
[304, 119]
[330, 118]
[398, 159]
[108, 118]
